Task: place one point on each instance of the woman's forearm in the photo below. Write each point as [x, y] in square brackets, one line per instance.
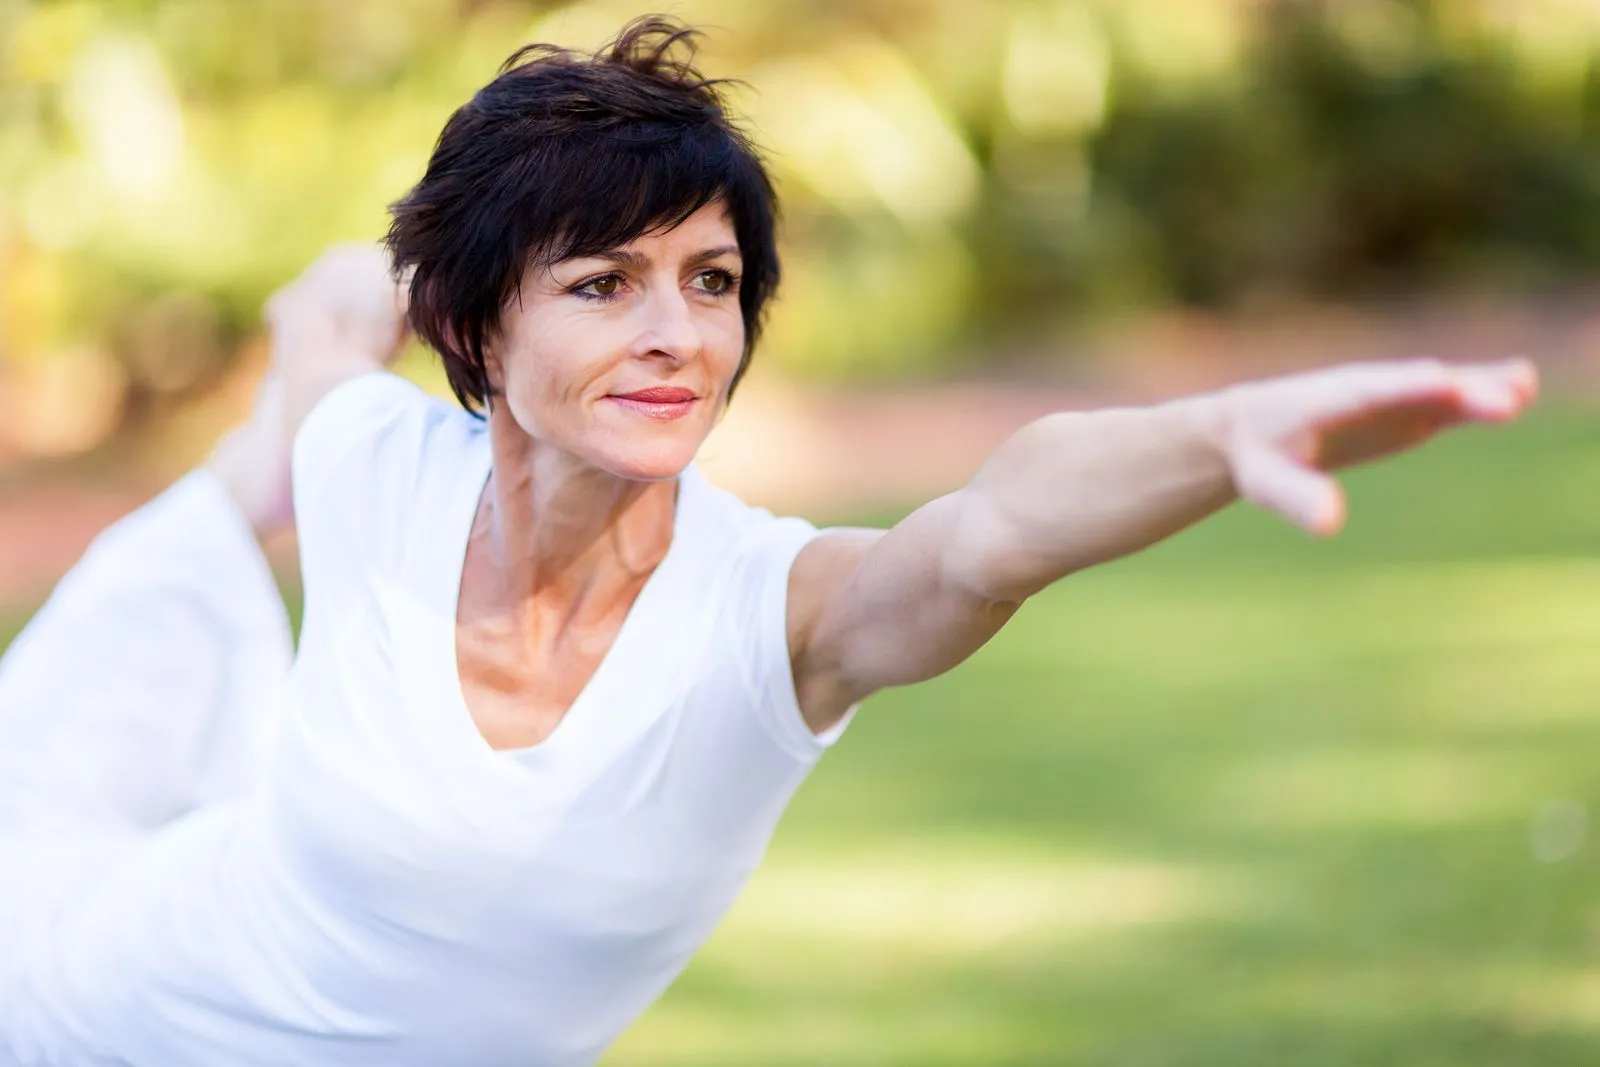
[313, 374]
[1072, 490]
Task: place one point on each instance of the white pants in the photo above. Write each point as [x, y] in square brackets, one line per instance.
[146, 685]
[145, 688]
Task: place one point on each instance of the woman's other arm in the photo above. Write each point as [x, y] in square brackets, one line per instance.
[340, 318]
[344, 316]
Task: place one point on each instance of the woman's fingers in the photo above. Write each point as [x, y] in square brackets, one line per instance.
[1345, 393]
[1270, 478]
[1379, 432]
[1353, 414]
[1487, 400]
[1497, 392]
[1487, 391]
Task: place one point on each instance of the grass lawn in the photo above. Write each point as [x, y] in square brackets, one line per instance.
[1243, 800]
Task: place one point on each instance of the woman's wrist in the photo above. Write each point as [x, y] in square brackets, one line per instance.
[253, 464]
[1201, 427]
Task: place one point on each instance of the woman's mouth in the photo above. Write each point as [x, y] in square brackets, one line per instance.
[664, 402]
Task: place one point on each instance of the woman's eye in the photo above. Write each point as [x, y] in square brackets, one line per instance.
[606, 286]
[716, 281]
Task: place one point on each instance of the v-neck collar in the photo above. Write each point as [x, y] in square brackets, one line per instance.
[632, 683]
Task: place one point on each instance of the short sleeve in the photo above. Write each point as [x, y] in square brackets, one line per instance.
[357, 457]
[759, 602]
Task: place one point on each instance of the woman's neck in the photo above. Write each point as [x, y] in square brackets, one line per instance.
[559, 532]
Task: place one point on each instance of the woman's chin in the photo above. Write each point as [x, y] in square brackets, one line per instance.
[656, 463]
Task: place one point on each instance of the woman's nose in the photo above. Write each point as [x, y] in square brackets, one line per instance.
[672, 330]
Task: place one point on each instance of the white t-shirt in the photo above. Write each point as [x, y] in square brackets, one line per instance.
[399, 893]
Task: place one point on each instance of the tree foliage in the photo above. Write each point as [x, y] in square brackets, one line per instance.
[951, 171]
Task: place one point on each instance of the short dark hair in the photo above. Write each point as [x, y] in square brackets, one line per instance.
[569, 154]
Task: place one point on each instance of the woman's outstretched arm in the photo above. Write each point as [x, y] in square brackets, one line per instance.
[871, 609]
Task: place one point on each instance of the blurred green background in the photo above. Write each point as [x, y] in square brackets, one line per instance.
[960, 178]
[1242, 800]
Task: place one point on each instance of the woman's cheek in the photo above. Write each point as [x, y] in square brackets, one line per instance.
[729, 348]
[529, 399]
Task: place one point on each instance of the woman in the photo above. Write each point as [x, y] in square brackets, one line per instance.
[553, 690]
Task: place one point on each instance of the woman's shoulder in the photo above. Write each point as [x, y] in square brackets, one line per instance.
[747, 554]
[376, 427]
[369, 413]
[728, 531]
[369, 451]
[726, 511]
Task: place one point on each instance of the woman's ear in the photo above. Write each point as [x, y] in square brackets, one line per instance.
[493, 370]
[494, 374]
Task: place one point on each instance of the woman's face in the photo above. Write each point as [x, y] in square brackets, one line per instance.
[624, 360]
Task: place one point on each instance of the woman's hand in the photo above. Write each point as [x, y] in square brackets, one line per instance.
[342, 317]
[346, 305]
[1280, 437]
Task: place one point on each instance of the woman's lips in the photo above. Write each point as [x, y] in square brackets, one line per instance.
[658, 402]
[659, 394]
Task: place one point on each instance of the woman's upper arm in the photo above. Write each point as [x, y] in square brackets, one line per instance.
[872, 609]
[821, 573]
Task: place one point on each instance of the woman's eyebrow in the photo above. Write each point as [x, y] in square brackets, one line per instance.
[713, 253]
[639, 261]
[622, 257]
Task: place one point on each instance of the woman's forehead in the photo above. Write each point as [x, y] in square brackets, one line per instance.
[706, 234]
